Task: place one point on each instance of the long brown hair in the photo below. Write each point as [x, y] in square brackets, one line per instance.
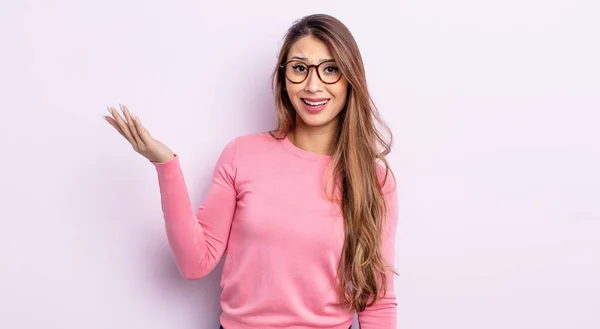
[359, 148]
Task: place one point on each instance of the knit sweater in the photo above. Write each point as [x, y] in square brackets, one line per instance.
[268, 213]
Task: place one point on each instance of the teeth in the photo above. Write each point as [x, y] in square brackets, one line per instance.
[315, 103]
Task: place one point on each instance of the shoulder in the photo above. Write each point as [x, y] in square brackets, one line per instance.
[255, 142]
[251, 146]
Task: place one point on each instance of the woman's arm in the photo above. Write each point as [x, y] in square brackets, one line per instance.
[382, 315]
[198, 240]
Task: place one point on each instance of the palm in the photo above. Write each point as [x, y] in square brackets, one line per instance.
[136, 134]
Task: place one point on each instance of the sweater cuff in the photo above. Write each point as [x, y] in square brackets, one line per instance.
[168, 170]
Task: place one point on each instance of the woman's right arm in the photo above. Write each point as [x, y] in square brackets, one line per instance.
[197, 240]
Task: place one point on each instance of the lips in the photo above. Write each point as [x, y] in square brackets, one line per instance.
[315, 105]
[315, 101]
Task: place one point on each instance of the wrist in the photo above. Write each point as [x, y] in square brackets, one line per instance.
[164, 158]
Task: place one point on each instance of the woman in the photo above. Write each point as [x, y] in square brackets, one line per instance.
[307, 213]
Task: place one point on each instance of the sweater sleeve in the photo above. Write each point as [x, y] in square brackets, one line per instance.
[382, 315]
[198, 239]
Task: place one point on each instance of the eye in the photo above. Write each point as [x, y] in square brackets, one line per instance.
[331, 69]
[299, 67]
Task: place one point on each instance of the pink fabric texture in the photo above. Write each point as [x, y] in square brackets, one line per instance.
[268, 213]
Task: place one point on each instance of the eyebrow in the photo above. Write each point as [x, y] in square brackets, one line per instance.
[306, 59]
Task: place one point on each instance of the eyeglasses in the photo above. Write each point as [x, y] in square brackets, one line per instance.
[297, 71]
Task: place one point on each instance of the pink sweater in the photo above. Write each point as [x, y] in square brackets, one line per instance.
[267, 208]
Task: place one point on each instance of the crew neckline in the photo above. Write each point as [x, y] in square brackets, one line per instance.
[301, 152]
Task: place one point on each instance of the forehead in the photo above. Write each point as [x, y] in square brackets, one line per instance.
[311, 48]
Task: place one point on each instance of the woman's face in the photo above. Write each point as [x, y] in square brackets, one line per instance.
[317, 104]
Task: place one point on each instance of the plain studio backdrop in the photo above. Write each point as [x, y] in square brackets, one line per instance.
[494, 106]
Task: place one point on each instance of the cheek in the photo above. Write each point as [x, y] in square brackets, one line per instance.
[290, 88]
[339, 89]
[340, 93]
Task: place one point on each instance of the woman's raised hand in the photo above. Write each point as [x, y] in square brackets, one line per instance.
[140, 139]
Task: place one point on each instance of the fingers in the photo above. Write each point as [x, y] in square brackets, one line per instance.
[124, 128]
[130, 128]
[131, 125]
[143, 133]
[114, 124]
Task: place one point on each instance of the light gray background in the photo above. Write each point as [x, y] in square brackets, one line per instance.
[495, 107]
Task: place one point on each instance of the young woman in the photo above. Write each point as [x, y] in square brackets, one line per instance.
[307, 213]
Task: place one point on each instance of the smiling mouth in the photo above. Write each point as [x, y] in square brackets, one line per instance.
[318, 103]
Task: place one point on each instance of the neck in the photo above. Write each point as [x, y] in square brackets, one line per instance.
[320, 140]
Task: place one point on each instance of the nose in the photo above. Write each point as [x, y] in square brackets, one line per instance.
[313, 83]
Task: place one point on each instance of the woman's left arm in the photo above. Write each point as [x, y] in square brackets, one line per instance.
[382, 315]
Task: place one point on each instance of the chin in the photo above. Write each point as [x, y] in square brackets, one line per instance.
[315, 123]
[316, 120]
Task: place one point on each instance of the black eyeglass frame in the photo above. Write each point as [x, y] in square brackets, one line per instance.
[316, 66]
